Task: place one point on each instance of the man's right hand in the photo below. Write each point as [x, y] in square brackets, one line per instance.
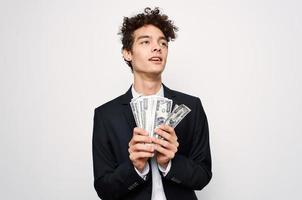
[140, 148]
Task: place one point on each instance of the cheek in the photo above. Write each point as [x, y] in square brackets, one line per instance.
[165, 53]
[138, 61]
[142, 58]
[165, 56]
[140, 54]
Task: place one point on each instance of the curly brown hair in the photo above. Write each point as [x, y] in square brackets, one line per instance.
[148, 17]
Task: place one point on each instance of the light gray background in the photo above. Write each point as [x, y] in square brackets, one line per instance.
[60, 59]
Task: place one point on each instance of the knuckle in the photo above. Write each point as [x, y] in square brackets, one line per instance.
[134, 156]
[136, 147]
[172, 154]
[145, 139]
[167, 144]
[168, 137]
[163, 143]
[141, 154]
[135, 139]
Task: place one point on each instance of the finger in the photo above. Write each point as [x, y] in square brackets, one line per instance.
[142, 147]
[166, 144]
[139, 131]
[165, 134]
[167, 128]
[168, 153]
[141, 139]
[137, 155]
[171, 131]
[160, 142]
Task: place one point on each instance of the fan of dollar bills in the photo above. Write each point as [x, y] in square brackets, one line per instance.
[151, 111]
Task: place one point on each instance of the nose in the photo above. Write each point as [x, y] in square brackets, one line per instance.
[156, 47]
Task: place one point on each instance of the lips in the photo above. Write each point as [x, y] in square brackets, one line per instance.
[155, 59]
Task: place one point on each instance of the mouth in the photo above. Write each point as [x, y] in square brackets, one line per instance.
[155, 59]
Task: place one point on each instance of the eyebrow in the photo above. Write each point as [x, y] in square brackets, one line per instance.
[147, 36]
[143, 37]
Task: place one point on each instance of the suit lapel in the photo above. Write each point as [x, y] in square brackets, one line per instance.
[170, 94]
[127, 112]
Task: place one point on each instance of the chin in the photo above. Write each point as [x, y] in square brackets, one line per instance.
[154, 69]
[157, 70]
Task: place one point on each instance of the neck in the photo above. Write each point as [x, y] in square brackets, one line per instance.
[147, 86]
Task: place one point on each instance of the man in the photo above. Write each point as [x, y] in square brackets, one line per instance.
[126, 160]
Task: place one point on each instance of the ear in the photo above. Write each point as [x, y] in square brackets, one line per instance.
[127, 55]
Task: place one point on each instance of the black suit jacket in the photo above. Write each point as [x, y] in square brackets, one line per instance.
[114, 173]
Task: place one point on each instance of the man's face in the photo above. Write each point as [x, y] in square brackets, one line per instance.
[149, 51]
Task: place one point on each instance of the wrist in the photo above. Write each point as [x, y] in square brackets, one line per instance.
[164, 165]
[140, 168]
[166, 170]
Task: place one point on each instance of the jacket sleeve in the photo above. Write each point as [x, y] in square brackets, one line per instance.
[112, 180]
[194, 171]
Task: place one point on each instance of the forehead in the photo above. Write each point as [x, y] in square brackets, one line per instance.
[148, 30]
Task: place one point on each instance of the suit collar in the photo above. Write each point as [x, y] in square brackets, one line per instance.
[126, 98]
[170, 94]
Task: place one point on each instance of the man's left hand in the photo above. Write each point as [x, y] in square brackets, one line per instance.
[166, 146]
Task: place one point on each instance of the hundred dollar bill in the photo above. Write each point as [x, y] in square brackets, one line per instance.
[152, 103]
[175, 106]
[148, 113]
[135, 113]
[177, 115]
[162, 111]
[144, 109]
[139, 117]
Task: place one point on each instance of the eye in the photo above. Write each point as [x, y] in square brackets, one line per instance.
[145, 42]
[165, 44]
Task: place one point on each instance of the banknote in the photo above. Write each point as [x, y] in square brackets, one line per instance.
[175, 106]
[136, 105]
[151, 111]
[162, 111]
[177, 115]
[135, 113]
